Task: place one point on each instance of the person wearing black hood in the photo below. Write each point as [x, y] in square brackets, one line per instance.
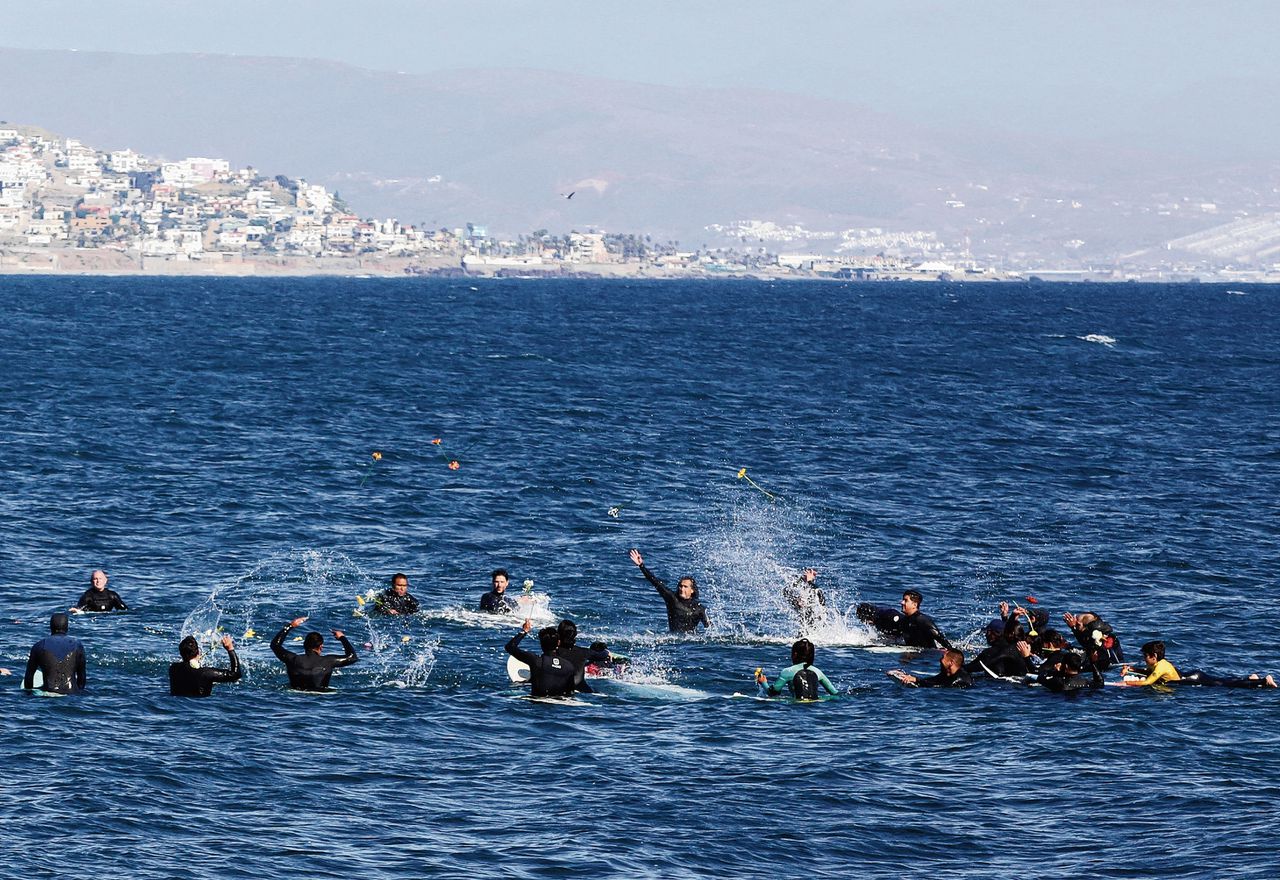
[187, 678]
[577, 656]
[918, 630]
[1101, 645]
[1064, 675]
[684, 611]
[59, 658]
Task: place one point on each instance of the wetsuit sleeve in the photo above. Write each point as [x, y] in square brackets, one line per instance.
[826, 683]
[657, 583]
[80, 677]
[278, 648]
[232, 673]
[349, 655]
[29, 680]
[938, 636]
[513, 648]
[1163, 671]
[117, 604]
[782, 683]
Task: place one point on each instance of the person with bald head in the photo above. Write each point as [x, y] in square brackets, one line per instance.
[98, 597]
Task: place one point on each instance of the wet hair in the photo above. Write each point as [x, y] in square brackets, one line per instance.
[1153, 649]
[802, 652]
[568, 633]
[693, 583]
[914, 596]
[1072, 662]
[58, 623]
[549, 639]
[498, 571]
[188, 648]
[954, 655]
[1051, 638]
[1039, 618]
[399, 574]
[1014, 633]
[866, 612]
[312, 641]
[599, 646]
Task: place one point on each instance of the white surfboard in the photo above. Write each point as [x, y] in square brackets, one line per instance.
[517, 670]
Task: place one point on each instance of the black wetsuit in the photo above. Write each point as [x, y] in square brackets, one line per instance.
[959, 679]
[683, 615]
[887, 622]
[919, 631]
[60, 659]
[388, 601]
[1099, 654]
[579, 657]
[101, 600]
[807, 601]
[308, 671]
[187, 681]
[1204, 679]
[549, 675]
[497, 603]
[1002, 659]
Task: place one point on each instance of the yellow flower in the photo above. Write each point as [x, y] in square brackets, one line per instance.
[377, 456]
[742, 473]
[359, 600]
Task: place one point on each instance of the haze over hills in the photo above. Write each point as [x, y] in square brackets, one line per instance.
[503, 147]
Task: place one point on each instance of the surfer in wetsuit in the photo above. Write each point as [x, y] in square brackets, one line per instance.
[807, 600]
[396, 599]
[952, 674]
[684, 611]
[98, 597]
[1101, 645]
[496, 601]
[1001, 658]
[885, 621]
[550, 675]
[801, 678]
[59, 658]
[187, 678]
[579, 657]
[310, 670]
[1161, 671]
[918, 630]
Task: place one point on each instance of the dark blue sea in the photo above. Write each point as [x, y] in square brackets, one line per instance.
[209, 443]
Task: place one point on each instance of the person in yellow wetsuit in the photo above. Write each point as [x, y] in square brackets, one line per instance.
[1159, 670]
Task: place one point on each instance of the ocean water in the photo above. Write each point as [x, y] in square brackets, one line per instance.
[209, 444]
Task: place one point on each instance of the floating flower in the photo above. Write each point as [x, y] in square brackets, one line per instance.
[404, 640]
[436, 442]
[454, 465]
[742, 473]
[359, 599]
[614, 511]
[1031, 599]
[377, 456]
[249, 633]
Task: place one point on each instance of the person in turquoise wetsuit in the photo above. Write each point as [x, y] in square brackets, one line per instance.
[801, 678]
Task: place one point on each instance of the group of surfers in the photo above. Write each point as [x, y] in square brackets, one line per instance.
[1021, 646]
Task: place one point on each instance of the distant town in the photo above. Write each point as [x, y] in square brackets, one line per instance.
[68, 208]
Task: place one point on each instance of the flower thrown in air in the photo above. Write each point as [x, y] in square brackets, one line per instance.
[454, 465]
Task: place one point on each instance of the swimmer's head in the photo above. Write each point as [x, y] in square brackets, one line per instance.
[189, 648]
[58, 623]
[1051, 638]
[568, 631]
[399, 583]
[995, 631]
[802, 652]
[1071, 664]
[1153, 649]
[549, 639]
[952, 661]
[911, 601]
[98, 579]
[313, 642]
[687, 588]
[866, 612]
[499, 579]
